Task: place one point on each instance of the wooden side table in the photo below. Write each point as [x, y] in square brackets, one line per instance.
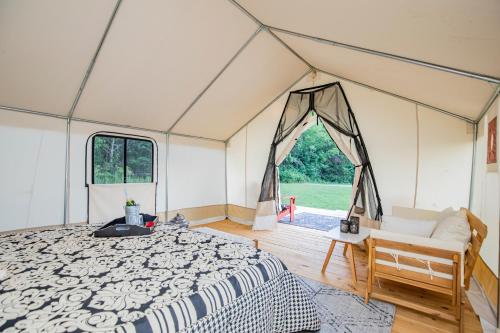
[348, 239]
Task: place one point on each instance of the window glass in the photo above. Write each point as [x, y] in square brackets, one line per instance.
[118, 160]
[109, 159]
[139, 161]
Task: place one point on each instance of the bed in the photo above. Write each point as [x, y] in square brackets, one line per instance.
[175, 280]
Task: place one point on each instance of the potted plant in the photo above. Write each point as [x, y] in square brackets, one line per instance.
[132, 212]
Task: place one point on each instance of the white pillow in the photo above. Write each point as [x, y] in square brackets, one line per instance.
[447, 212]
[454, 228]
[422, 228]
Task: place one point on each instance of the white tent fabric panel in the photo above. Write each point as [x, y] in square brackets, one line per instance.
[107, 201]
[80, 133]
[196, 173]
[486, 195]
[45, 49]
[32, 170]
[236, 169]
[454, 93]
[445, 161]
[260, 73]
[389, 130]
[480, 167]
[158, 56]
[456, 33]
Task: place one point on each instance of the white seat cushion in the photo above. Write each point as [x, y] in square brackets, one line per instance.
[449, 245]
[453, 228]
[422, 228]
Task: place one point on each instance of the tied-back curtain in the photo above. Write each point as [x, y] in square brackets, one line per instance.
[328, 103]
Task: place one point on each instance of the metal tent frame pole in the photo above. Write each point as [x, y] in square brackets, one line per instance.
[469, 74]
[265, 27]
[167, 153]
[417, 62]
[449, 113]
[223, 69]
[270, 103]
[67, 180]
[489, 103]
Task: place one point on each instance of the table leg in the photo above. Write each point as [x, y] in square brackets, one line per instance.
[366, 245]
[329, 254]
[345, 248]
[353, 265]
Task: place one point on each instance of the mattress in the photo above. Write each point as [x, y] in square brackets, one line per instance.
[174, 280]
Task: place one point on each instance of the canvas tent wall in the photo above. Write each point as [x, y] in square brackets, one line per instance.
[398, 135]
[212, 69]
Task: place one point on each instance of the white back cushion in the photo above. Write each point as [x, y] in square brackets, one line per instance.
[453, 228]
[422, 228]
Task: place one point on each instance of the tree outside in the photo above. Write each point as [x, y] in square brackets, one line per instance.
[317, 172]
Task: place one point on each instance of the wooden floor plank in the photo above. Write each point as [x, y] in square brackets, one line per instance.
[303, 252]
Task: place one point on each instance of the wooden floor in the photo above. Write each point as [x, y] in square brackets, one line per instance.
[303, 251]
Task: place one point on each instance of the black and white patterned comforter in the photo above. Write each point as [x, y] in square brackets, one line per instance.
[175, 280]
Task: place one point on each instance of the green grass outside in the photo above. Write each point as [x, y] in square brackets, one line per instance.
[325, 196]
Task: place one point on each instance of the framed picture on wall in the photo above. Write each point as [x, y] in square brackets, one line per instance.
[491, 156]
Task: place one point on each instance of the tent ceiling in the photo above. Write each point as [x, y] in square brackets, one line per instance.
[260, 73]
[45, 49]
[196, 64]
[465, 96]
[158, 56]
[456, 33]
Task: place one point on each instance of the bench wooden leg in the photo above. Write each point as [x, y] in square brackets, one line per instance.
[345, 248]
[329, 254]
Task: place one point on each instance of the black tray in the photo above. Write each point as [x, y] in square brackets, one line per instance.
[118, 228]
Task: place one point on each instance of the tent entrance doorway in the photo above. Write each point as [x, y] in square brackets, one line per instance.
[304, 108]
[319, 177]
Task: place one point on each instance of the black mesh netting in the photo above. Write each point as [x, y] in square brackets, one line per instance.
[330, 105]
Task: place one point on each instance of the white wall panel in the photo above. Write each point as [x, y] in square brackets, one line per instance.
[31, 171]
[260, 135]
[46, 48]
[486, 192]
[389, 129]
[80, 132]
[196, 175]
[236, 169]
[445, 161]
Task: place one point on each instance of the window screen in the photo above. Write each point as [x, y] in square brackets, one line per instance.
[118, 160]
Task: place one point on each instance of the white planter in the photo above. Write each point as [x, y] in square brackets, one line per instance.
[132, 215]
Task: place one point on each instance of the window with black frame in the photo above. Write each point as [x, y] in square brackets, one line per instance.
[118, 160]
